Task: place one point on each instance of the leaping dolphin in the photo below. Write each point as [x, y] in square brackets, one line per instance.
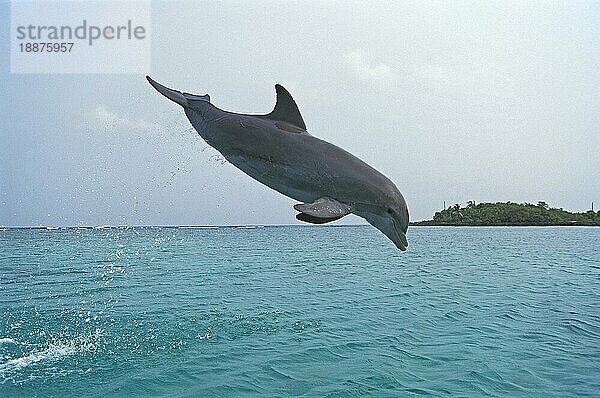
[276, 150]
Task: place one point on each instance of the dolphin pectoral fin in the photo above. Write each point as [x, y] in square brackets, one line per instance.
[315, 220]
[322, 210]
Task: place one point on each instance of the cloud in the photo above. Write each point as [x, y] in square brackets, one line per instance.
[103, 117]
[434, 73]
[379, 73]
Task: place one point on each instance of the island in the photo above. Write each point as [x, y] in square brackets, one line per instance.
[510, 214]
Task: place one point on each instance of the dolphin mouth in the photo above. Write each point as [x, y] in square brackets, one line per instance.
[390, 228]
[173, 95]
[403, 242]
[400, 238]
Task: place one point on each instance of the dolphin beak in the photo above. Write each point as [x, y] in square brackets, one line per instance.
[397, 236]
[390, 228]
[173, 95]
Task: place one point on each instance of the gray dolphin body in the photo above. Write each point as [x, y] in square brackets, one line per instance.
[276, 150]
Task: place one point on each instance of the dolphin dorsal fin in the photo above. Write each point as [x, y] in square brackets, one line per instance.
[286, 109]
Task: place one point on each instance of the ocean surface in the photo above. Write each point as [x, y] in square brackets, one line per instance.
[300, 311]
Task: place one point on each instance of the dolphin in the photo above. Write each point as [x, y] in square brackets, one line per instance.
[277, 150]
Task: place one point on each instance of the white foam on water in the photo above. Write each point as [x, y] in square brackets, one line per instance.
[52, 353]
[7, 340]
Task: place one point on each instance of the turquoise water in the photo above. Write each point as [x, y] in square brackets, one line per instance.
[300, 311]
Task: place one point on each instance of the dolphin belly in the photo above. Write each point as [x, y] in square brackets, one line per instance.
[285, 179]
[329, 172]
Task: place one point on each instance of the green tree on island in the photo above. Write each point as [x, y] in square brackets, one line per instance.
[509, 213]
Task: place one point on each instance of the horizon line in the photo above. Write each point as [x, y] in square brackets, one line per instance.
[182, 226]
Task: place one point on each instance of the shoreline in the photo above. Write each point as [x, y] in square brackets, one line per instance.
[431, 223]
[422, 224]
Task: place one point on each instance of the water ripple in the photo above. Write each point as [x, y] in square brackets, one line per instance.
[230, 312]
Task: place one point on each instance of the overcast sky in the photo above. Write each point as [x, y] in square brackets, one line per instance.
[454, 101]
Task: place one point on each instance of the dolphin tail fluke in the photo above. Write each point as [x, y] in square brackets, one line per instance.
[183, 99]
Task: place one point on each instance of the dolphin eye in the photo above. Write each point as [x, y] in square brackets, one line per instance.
[390, 211]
